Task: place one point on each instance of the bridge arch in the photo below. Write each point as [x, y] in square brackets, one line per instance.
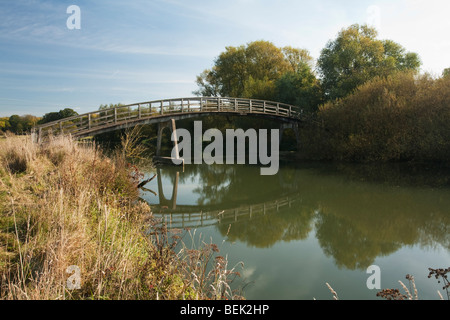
[160, 111]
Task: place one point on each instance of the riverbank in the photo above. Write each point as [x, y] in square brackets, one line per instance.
[71, 227]
[400, 118]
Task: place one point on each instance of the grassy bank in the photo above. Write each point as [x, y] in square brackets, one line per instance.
[62, 205]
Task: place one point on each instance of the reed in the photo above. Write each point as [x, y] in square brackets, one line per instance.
[66, 204]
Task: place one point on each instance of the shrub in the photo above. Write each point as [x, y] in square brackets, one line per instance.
[397, 118]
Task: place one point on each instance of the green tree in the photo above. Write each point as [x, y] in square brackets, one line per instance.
[16, 123]
[208, 84]
[110, 106]
[297, 57]
[263, 89]
[54, 116]
[4, 124]
[356, 56]
[300, 88]
[29, 121]
[446, 73]
[250, 71]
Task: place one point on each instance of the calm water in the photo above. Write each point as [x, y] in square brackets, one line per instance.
[312, 224]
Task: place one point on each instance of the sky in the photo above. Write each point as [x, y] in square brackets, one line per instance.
[142, 50]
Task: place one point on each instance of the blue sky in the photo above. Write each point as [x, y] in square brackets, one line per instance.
[136, 50]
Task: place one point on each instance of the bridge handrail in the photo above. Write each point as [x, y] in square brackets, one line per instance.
[148, 109]
[211, 217]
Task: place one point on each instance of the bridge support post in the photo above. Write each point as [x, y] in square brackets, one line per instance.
[172, 203]
[173, 128]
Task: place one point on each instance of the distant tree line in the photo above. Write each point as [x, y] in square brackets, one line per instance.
[18, 124]
[23, 124]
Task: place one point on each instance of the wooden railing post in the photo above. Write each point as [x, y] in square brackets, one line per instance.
[218, 104]
[251, 106]
[115, 114]
[264, 107]
[278, 108]
[139, 111]
[161, 106]
[89, 121]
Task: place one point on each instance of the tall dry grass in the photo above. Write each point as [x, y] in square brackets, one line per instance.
[63, 204]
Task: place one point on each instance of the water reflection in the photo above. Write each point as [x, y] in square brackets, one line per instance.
[357, 213]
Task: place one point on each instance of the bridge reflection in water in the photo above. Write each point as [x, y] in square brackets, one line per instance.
[352, 214]
[179, 215]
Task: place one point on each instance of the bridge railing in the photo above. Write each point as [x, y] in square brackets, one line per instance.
[91, 121]
[228, 216]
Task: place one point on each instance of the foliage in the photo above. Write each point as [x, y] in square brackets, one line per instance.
[111, 105]
[18, 124]
[54, 116]
[356, 56]
[402, 117]
[300, 88]
[446, 72]
[260, 70]
[4, 124]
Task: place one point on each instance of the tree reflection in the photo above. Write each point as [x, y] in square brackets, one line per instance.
[355, 218]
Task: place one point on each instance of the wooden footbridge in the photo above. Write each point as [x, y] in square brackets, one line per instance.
[163, 111]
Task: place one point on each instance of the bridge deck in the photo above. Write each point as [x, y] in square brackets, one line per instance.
[156, 111]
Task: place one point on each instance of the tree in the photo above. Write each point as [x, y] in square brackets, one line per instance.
[446, 73]
[16, 123]
[250, 71]
[110, 106]
[208, 84]
[4, 124]
[297, 57]
[54, 116]
[20, 124]
[28, 122]
[300, 88]
[356, 56]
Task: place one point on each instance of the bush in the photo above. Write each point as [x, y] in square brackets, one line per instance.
[397, 118]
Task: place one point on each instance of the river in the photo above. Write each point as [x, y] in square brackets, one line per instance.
[313, 224]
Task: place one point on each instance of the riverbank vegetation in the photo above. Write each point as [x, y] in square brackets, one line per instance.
[365, 98]
[401, 117]
[63, 204]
